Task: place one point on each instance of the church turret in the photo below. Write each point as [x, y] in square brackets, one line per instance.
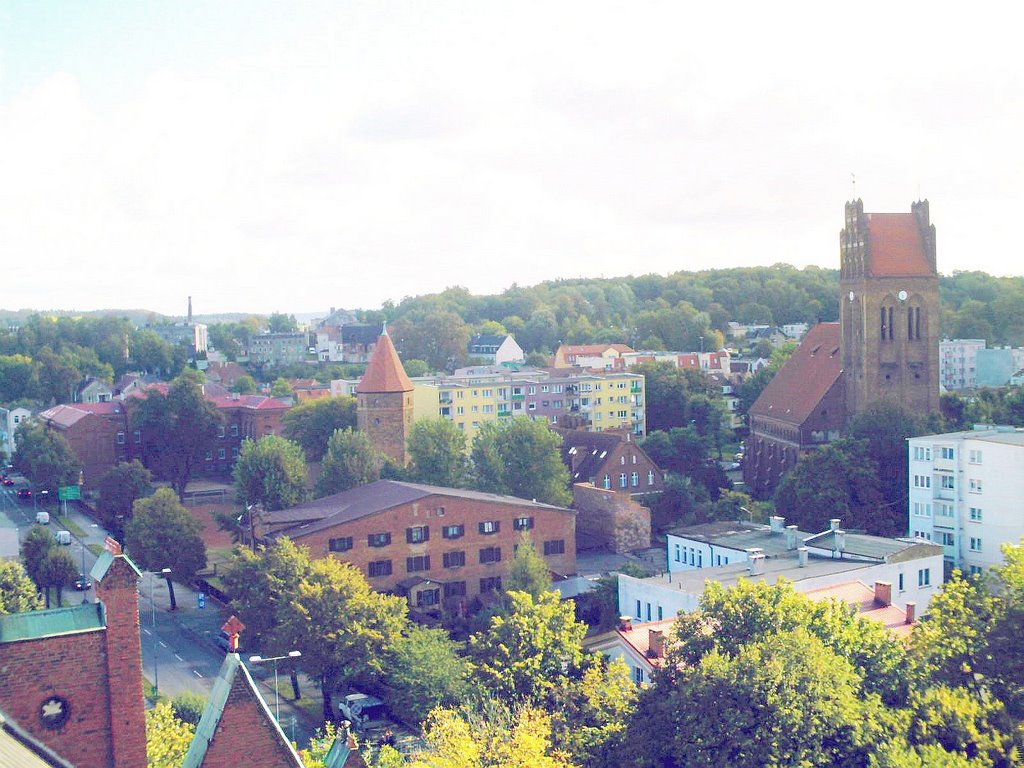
[384, 401]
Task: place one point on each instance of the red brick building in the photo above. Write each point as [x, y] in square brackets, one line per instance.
[440, 547]
[71, 678]
[611, 460]
[384, 406]
[97, 432]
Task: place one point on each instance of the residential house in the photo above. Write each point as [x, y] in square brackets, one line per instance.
[10, 420]
[440, 547]
[958, 363]
[610, 460]
[226, 374]
[965, 490]
[496, 349]
[98, 433]
[348, 343]
[92, 390]
[777, 552]
[278, 349]
[600, 356]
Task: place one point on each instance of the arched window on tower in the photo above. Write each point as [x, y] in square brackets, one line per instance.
[886, 323]
[913, 323]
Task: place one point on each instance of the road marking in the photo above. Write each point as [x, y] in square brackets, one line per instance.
[178, 657]
[196, 673]
[145, 630]
[162, 643]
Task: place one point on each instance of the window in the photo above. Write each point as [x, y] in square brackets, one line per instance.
[455, 589]
[222, 453]
[137, 435]
[454, 559]
[417, 564]
[924, 577]
[638, 675]
[380, 568]
[378, 539]
[976, 570]
[974, 457]
[650, 477]
[428, 597]
[490, 555]
[222, 431]
[234, 430]
[453, 531]
[975, 544]
[900, 586]
[439, 512]
[634, 479]
[944, 510]
[490, 526]
[490, 584]
[975, 486]
[948, 482]
[947, 453]
[922, 509]
[623, 480]
[948, 540]
[922, 481]
[622, 459]
[417, 534]
[976, 514]
[554, 547]
[921, 453]
[607, 482]
[634, 458]
[638, 610]
[661, 613]
[344, 544]
[523, 523]
[677, 553]
[648, 611]
[120, 438]
[209, 455]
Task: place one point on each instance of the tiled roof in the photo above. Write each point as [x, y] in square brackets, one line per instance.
[384, 372]
[68, 414]
[365, 500]
[795, 391]
[862, 597]
[897, 249]
[593, 349]
[639, 637]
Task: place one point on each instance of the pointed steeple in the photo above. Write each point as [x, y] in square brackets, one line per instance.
[384, 372]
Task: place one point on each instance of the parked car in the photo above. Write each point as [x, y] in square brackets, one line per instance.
[62, 537]
[43, 518]
[83, 582]
[24, 493]
[363, 710]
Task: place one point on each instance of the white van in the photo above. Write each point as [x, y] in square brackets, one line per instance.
[43, 518]
[64, 537]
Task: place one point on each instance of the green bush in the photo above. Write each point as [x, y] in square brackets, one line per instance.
[188, 706]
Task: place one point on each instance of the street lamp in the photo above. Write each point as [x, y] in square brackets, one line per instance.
[275, 659]
[165, 572]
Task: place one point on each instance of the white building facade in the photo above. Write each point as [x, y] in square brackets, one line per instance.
[965, 493]
[958, 362]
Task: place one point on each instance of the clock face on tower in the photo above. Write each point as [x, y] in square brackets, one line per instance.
[902, 295]
[851, 295]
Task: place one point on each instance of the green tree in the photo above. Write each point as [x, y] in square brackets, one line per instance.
[163, 534]
[438, 336]
[150, 352]
[414, 367]
[35, 548]
[528, 571]
[119, 489]
[17, 591]
[245, 385]
[188, 706]
[281, 388]
[350, 460]
[177, 429]
[58, 571]
[167, 737]
[437, 451]
[17, 378]
[669, 390]
[57, 377]
[964, 723]
[527, 650]
[270, 472]
[493, 737]
[839, 480]
[278, 322]
[45, 456]
[521, 457]
[424, 671]
[312, 424]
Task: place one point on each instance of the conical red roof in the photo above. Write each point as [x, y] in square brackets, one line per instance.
[384, 372]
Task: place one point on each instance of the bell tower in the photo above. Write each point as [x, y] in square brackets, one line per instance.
[384, 405]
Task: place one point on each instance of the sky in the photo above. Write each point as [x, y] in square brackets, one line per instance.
[296, 156]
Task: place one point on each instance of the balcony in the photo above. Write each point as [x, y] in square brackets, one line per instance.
[518, 397]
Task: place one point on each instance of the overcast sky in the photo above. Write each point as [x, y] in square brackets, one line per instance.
[287, 156]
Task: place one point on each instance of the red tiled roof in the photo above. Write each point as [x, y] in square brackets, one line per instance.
[862, 597]
[593, 349]
[67, 414]
[806, 378]
[639, 637]
[897, 249]
[384, 372]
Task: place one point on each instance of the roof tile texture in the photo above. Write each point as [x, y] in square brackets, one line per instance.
[384, 372]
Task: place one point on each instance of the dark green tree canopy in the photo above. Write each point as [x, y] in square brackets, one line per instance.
[163, 534]
[312, 424]
[271, 472]
[119, 489]
[437, 451]
[350, 460]
[45, 457]
[521, 457]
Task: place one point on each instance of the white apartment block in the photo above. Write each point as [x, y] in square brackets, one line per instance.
[958, 362]
[965, 493]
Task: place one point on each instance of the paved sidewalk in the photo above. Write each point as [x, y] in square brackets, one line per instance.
[203, 625]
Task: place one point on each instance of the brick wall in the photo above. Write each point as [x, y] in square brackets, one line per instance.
[72, 667]
[612, 518]
[550, 524]
[386, 418]
[94, 439]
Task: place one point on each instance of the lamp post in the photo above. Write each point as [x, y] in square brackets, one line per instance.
[165, 572]
[275, 659]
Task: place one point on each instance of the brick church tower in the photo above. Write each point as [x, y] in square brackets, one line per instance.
[384, 401]
[889, 309]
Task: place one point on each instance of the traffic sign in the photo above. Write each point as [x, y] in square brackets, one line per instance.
[69, 492]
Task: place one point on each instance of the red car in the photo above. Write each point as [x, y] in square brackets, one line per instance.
[8, 481]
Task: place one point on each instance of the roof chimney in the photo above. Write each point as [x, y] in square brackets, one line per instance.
[655, 644]
[911, 612]
[791, 537]
[833, 524]
[883, 592]
[776, 523]
[190, 310]
[802, 553]
[757, 563]
[840, 541]
[625, 623]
